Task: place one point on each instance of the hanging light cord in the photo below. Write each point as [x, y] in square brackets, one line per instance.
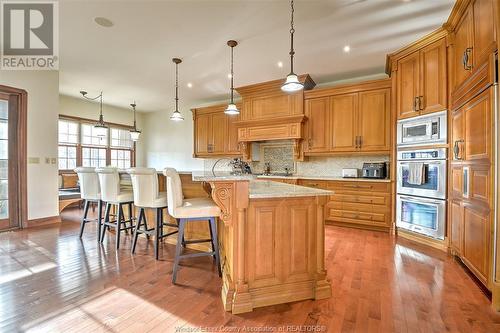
[292, 31]
[232, 75]
[176, 87]
[84, 94]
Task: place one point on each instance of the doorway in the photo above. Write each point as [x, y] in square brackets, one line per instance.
[13, 112]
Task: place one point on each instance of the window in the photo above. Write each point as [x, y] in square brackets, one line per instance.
[67, 157]
[93, 157]
[89, 136]
[79, 145]
[121, 158]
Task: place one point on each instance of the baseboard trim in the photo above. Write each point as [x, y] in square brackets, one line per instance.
[435, 243]
[42, 221]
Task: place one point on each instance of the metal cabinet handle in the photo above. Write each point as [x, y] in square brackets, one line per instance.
[465, 180]
[456, 149]
[310, 143]
[360, 141]
[467, 52]
[464, 60]
[420, 103]
[415, 102]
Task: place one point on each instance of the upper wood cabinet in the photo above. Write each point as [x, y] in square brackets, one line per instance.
[347, 119]
[421, 80]
[473, 27]
[215, 133]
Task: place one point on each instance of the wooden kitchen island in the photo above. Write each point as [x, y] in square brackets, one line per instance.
[272, 241]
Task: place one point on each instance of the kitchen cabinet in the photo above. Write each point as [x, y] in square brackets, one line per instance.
[474, 39]
[456, 226]
[421, 81]
[365, 204]
[215, 133]
[350, 119]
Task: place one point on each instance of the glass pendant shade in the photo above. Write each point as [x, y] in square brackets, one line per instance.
[231, 109]
[101, 130]
[292, 83]
[134, 135]
[176, 116]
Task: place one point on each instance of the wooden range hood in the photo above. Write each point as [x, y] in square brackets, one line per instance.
[268, 113]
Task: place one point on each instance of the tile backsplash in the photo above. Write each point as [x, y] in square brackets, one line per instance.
[280, 156]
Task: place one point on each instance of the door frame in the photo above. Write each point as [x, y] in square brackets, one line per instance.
[20, 99]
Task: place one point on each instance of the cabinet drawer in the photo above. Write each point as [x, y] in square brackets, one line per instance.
[377, 199]
[356, 217]
[314, 183]
[360, 186]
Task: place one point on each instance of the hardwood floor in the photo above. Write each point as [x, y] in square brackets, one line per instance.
[50, 281]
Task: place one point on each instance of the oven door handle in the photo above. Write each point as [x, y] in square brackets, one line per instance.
[420, 200]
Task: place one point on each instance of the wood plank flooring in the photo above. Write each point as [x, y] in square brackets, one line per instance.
[51, 281]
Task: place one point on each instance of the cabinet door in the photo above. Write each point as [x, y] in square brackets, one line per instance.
[463, 41]
[232, 135]
[344, 122]
[456, 226]
[457, 134]
[433, 83]
[317, 125]
[407, 78]
[484, 31]
[218, 133]
[476, 252]
[374, 117]
[456, 184]
[478, 127]
[202, 132]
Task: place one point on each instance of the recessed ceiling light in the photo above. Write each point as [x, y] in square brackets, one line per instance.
[347, 49]
[280, 64]
[103, 22]
[190, 85]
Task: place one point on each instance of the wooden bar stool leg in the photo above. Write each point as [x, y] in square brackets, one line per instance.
[178, 249]
[118, 225]
[106, 220]
[215, 243]
[99, 219]
[84, 219]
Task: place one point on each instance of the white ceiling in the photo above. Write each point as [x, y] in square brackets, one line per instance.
[132, 59]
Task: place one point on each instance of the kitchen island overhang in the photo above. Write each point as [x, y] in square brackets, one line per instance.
[272, 241]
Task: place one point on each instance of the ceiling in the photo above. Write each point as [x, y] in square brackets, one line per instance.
[132, 60]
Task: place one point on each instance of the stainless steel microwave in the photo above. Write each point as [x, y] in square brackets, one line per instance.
[423, 130]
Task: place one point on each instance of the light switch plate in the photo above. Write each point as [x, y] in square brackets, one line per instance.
[47, 160]
[53, 160]
[33, 160]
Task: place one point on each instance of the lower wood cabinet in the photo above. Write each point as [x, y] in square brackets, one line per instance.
[354, 203]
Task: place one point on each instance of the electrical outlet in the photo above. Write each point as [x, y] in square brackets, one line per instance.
[33, 160]
[47, 160]
[53, 160]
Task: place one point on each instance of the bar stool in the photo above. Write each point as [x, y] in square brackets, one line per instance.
[90, 193]
[147, 195]
[190, 210]
[109, 180]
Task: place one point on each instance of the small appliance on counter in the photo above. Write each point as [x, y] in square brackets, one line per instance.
[375, 170]
[350, 173]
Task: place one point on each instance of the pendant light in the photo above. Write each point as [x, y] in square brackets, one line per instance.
[100, 127]
[134, 133]
[292, 82]
[176, 116]
[231, 107]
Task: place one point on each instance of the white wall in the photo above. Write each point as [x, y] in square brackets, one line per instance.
[43, 107]
[169, 143]
[79, 107]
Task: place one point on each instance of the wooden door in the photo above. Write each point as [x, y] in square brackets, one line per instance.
[484, 31]
[203, 133]
[343, 122]
[317, 111]
[476, 251]
[408, 85]
[456, 226]
[433, 83]
[456, 185]
[218, 133]
[478, 127]
[374, 116]
[232, 136]
[458, 134]
[463, 44]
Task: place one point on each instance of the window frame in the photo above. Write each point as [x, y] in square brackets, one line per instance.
[107, 145]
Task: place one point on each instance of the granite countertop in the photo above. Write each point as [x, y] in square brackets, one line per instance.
[208, 176]
[269, 189]
[325, 178]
